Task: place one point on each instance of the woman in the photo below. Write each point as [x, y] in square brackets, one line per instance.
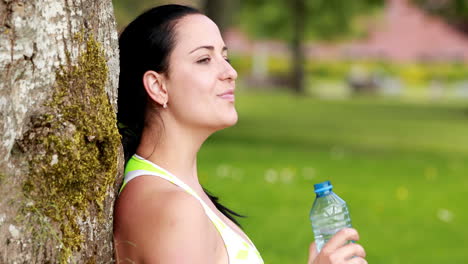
[176, 89]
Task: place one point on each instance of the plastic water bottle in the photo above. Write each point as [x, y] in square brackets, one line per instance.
[328, 215]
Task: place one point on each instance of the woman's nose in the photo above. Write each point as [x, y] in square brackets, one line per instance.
[228, 71]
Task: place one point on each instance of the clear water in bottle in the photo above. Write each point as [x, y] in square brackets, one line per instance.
[329, 214]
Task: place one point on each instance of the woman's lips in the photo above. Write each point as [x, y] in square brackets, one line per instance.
[228, 95]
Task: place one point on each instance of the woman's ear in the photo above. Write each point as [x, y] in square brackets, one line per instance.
[155, 87]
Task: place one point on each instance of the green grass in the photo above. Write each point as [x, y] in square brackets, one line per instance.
[402, 168]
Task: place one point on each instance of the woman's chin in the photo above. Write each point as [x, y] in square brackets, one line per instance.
[232, 122]
[229, 120]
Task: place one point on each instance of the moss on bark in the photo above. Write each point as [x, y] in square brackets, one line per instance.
[72, 150]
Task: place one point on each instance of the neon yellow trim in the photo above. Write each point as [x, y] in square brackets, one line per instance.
[137, 164]
[242, 254]
[123, 185]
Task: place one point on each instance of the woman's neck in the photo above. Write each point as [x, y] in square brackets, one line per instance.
[175, 149]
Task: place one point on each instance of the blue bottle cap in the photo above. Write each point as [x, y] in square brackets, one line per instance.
[323, 186]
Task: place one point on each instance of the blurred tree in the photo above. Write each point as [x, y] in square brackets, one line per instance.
[298, 13]
[298, 20]
[453, 11]
[221, 11]
[127, 10]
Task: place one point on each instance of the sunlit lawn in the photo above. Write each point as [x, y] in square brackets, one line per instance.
[402, 168]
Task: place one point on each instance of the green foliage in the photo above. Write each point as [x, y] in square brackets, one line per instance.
[337, 70]
[401, 167]
[419, 74]
[127, 10]
[242, 63]
[330, 19]
[279, 65]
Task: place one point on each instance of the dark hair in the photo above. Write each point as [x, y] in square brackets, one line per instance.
[146, 44]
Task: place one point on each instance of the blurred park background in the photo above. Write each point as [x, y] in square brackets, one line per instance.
[370, 94]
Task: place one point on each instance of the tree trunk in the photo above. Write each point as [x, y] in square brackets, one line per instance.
[299, 21]
[221, 12]
[60, 153]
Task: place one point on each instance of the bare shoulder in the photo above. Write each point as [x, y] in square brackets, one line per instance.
[148, 199]
[156, 221]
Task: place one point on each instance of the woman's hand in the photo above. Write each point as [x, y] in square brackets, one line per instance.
[336, 251]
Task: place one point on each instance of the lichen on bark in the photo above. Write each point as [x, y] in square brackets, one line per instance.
[72, 151]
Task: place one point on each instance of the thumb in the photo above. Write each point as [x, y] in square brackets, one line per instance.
[312, 253]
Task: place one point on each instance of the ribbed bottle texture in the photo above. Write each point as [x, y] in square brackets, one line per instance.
[329, 214]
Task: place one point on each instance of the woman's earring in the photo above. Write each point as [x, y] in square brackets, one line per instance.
[165, 105]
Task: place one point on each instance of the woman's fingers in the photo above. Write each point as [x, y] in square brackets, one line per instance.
[350, 251]
[338, 251]
[357, 260]
[312, 253]
[341, 238]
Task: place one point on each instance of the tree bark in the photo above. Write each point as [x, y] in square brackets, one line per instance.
[60, 154]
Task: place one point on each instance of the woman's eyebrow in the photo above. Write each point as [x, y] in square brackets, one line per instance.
[207, 47]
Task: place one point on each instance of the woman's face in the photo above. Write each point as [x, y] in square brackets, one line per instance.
[201, 81]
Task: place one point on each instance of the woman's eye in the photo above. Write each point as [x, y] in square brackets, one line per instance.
[228, 60]
[203, 61]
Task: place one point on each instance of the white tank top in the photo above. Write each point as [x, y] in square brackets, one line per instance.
[239, 251]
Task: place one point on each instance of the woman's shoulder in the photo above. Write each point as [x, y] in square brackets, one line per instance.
[149, 198]
[161, 219]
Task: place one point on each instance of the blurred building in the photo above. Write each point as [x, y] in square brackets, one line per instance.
[408, 33]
